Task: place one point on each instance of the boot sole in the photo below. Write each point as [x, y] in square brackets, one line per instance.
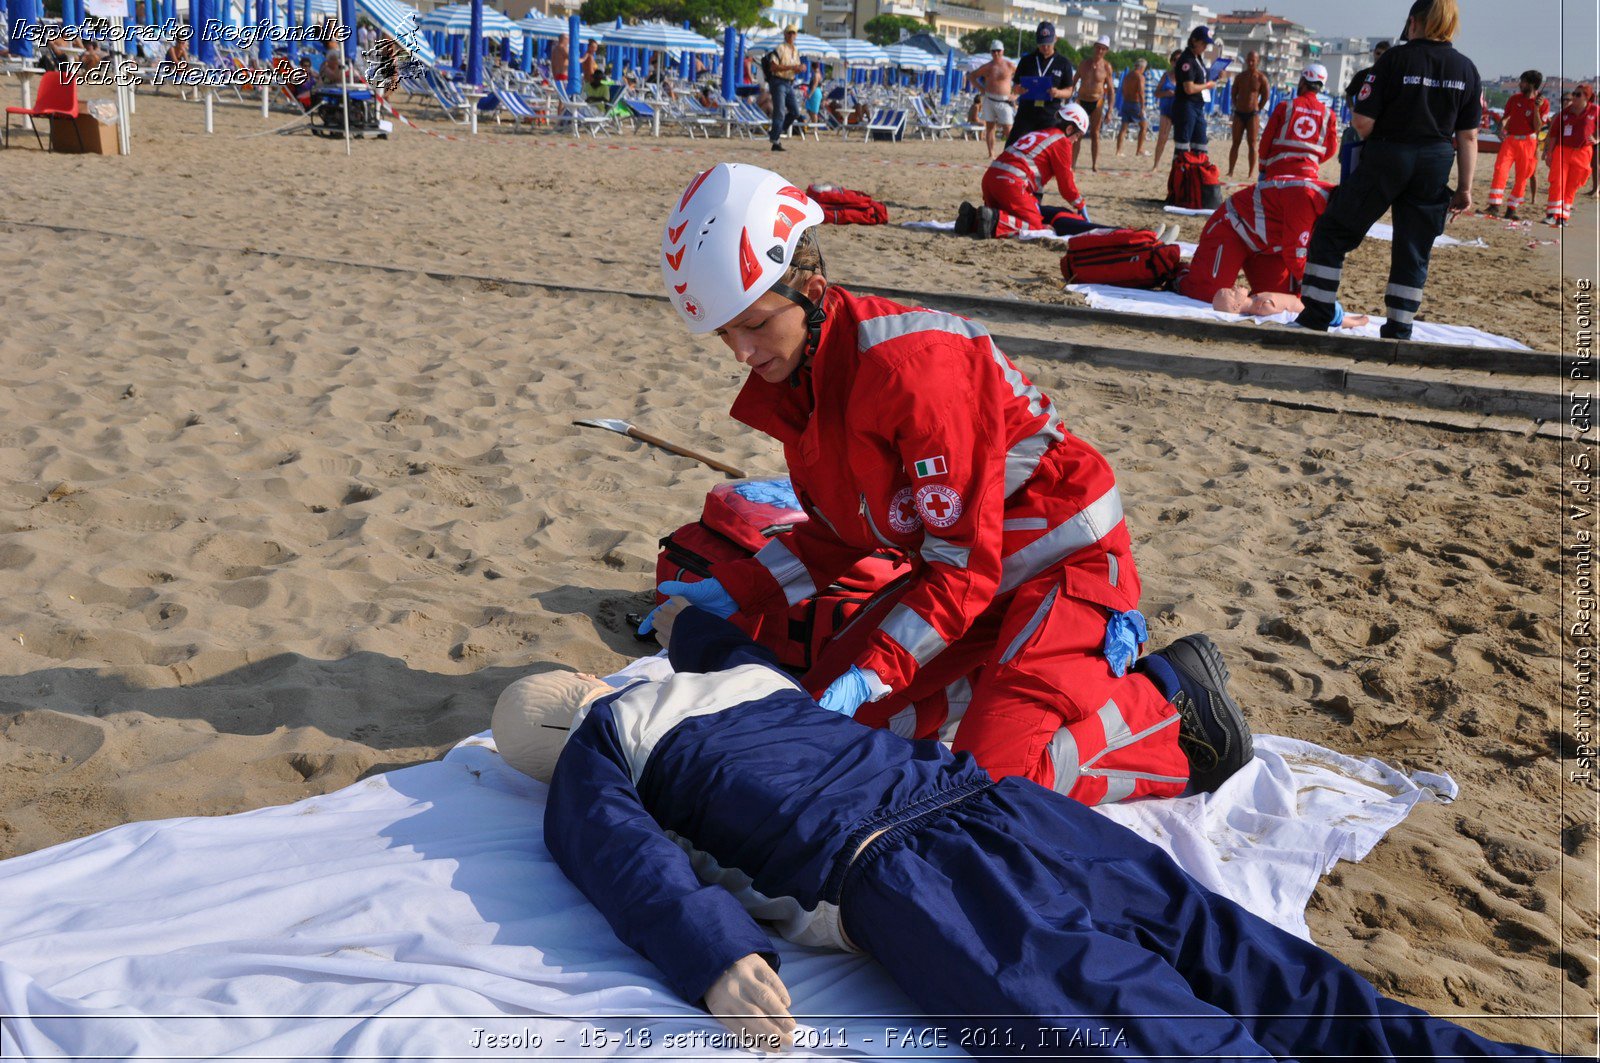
[1198, 656]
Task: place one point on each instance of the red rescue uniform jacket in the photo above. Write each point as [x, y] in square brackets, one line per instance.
[911, 430]
[1300, 136]
[1576, 131]
[1036, 159]
[1525, 116]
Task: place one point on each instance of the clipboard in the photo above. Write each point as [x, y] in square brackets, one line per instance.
[1218, 65]
[1036, 89]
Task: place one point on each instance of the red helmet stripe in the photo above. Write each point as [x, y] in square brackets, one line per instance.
[680, 288]
[694, 186]
[786, 220]
[793, 193]
[674, 235]
[674, 260]
[749, 265]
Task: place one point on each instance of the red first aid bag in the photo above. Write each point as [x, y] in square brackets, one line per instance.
[1195, 182]
[1127, 258]
[733, 526]
[844, 206]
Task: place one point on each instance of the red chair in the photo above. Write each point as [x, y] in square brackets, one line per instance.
[58, 98]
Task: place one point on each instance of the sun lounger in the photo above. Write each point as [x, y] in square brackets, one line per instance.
[929, 122]
[579, 114]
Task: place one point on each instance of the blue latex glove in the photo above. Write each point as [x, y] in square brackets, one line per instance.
[707, 594]
[1338, 315]
[769, 492]
[1125, 633]
[847, 693]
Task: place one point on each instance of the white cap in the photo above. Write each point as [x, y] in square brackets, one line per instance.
[996, 46]
[729, 240]
[1315, 72]
[1105, 41]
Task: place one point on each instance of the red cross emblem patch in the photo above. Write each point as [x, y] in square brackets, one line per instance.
[939, 505]
[903, 516]
[691, 306]
[1305, 127]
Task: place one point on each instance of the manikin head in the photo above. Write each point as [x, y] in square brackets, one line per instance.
[740, 259]
[534, 716]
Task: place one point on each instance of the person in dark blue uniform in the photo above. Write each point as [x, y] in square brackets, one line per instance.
[1036, 110]
[1417, 113]
[1189, 103]
[687, 808]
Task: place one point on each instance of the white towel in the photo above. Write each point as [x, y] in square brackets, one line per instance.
[1171, 304]
[401, 915]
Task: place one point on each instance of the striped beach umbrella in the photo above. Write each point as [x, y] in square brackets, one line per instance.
[906, 57]
[808, 46]
[457, 19]
[853, 51]
[656, 37]
[546, 28]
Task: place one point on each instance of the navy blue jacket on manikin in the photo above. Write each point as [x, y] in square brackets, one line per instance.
[685, 810]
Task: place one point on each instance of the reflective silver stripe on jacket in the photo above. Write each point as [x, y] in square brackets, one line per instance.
[788, 570]
[944, 552]
[1022, 459]
[1005, 167]
[1085, 528]
[913, 634]
[1064, 756]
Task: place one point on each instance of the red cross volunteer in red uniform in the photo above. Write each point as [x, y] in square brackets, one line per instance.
[1265, 229]
[1017, 628]
[1013, 183]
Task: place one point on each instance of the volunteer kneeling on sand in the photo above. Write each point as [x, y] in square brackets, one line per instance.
[911, 430]
[1014, 182]
[1017, 920]
[1264, 229]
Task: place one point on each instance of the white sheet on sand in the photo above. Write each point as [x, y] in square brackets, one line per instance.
[1171, 304]
[1185, 250]
[1379, 231]
[402, 916]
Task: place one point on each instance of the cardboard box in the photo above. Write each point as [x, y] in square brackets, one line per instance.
[95, 137]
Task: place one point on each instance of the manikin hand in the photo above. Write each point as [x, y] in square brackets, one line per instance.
[751, 1000]
[664, 616]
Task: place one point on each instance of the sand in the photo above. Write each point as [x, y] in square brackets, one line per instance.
[270, 524]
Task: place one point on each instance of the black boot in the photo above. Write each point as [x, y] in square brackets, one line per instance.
[988, 219]
[1211, 729]
[964, 219]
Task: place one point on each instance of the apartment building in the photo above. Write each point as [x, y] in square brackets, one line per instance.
[1284, 46]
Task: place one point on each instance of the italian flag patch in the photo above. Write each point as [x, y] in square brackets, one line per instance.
[933, 466]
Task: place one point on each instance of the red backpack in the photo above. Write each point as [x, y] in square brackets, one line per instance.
[735, 525]
[844, 206]
[1194, 182]
[1127, 258]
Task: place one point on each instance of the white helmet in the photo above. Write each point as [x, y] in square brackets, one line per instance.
[1316, 72]
[729, 240]
[1071, 112]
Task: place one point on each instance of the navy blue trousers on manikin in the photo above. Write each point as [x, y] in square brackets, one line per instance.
[1067, 928]
[1412, 181]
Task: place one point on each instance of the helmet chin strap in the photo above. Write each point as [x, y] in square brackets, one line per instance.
[815, 316]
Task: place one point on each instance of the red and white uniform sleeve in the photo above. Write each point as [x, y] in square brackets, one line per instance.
[1060, 160]
[793, 565]
[943, 398]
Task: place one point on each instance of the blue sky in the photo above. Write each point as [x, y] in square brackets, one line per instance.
[1500, 36]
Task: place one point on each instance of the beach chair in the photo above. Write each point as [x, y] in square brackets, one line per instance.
[57, 98]
[523, 109]
[580, 114]
[446, 97]
[890, 120]
[929, 122]
[687, 114]
[641, 111]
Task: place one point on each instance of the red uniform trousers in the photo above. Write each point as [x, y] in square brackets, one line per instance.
[1569, 169]
[1519, 155]
[1018, 208]
[1262, 230]
[1028, 692]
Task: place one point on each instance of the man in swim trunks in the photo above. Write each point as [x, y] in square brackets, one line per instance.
[1132, 111]
[1094, 81]
[1251, 92]
[992, 81]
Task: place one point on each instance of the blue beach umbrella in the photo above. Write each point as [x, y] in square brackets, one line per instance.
[730, 63]
[574, 31]
[804, 43]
